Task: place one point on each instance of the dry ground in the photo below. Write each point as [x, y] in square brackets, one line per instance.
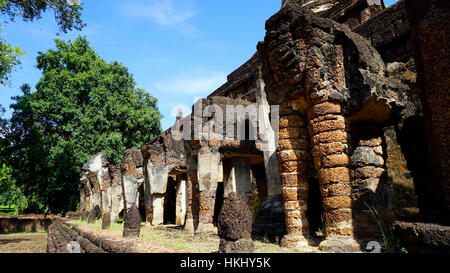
[165, 239]
[23, 243]
[172, 239]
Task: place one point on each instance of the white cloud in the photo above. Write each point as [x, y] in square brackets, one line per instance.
[162, 12]
[198, 82]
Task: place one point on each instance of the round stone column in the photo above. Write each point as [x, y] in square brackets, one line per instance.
[292, 155]
[329, 140]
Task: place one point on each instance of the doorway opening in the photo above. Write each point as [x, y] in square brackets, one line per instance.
[170, 202]
[218, 203]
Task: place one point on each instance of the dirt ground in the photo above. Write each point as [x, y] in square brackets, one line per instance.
[23, 243]
[172, 239]
[164, 239]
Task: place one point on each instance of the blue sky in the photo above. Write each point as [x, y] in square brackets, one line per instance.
[177, 50]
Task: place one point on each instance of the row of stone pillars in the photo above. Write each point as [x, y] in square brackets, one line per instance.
[155, 196]
[202, 184]
[196, 190]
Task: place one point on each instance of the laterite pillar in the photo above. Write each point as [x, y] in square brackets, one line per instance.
[329, 140]
[292, 155]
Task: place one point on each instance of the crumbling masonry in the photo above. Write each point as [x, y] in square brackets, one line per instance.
[343, 76]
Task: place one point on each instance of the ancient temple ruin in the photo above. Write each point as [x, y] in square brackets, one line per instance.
[346, 151]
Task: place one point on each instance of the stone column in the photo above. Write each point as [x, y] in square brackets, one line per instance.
[268, 135]
[237, 179]
[130, 189]
[158, 209]
[182, 200]
[192, 208]
[261, 181]
[82, 200]
[96, 196]
[148, 197]
[96, 179]
[86, 188]
[367, 186]
[157, 183]
[87, 192]
[106, 195]
[132, 179]
[329, 140]
[208, 162]
[117, 202]
[292, 155]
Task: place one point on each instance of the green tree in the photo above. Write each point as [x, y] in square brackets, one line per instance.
[9, 59]
[82, 105]
[67, 12]
[11, 194]
[67, 15]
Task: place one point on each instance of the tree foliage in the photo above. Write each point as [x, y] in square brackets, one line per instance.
[9, 59]
[67, 15]
[67, 12]
[11, 194]
[82, 105]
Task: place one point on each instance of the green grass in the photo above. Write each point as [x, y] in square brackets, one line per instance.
[98, 225]
[22, 234]
[5, 210]
[177, 244]
[178, 240]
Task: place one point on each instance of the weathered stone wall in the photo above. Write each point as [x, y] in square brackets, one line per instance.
[389, 33]
[317, 6]
[241, 83]
[430, 32]
[17, 224]
[61, 232]
[354, 12]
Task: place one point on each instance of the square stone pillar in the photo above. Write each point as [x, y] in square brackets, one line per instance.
[237, 179]
[158, 210]
[96, 197]
[155, 188]
[192, 209]
[82, 200]
[117, 197]
[208, 167]
[270, 145]
[182, 200]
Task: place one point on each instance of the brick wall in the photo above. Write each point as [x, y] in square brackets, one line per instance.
[389, 33]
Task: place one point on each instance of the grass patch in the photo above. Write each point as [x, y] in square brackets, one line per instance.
[174, 238]
[98, 225]
[6, 210]
[22, 234]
